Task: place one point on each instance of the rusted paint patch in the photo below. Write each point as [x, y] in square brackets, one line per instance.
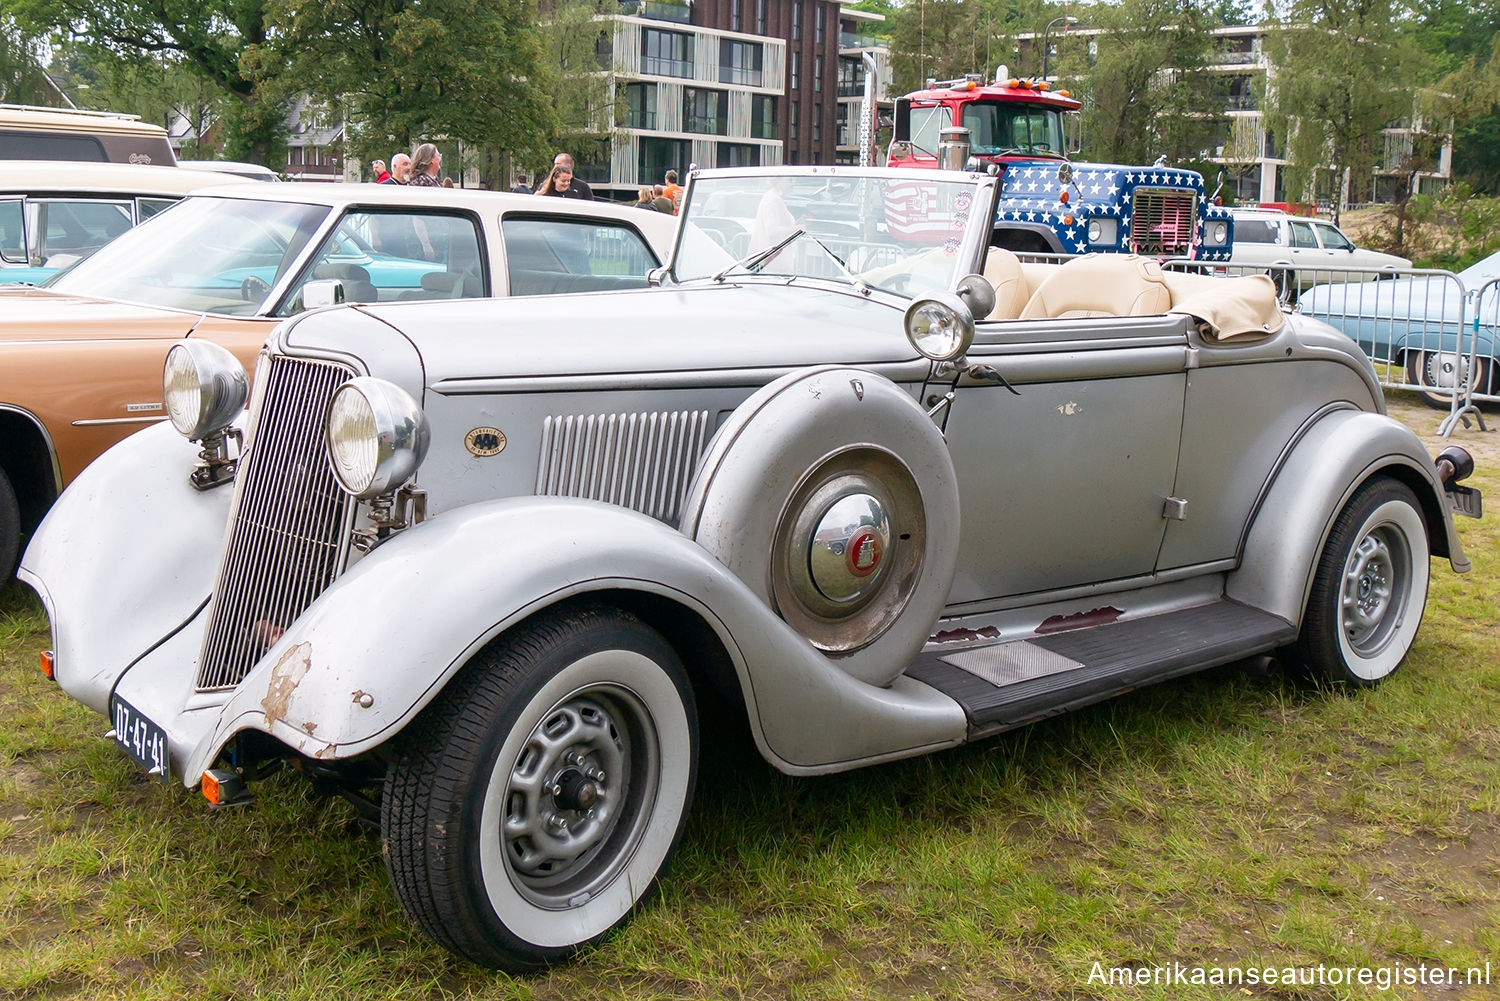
[1079, 620]
[964, 635]
[310, 727]
[285, 677]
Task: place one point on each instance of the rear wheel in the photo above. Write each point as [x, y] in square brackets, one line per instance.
[1369, 590]
[535, 802]
[10, 530]
[1440, 373]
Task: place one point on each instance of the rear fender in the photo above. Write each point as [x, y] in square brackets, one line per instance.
[379, 644]
[1329, 463]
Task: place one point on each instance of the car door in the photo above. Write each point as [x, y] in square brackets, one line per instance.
[1063, 482]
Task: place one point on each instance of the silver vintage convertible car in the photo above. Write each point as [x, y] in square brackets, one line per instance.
[887, 490]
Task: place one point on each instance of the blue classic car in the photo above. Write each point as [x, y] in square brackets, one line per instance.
[1424, 323]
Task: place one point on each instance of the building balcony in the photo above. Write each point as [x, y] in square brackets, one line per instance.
[658, 10]
[661, 66]
[639, 120]
[850, 40]
[709, 125]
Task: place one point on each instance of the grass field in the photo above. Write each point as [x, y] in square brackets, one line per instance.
[1232, 818]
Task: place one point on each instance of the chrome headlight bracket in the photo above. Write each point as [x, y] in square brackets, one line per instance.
[215, 465]
[391, 513]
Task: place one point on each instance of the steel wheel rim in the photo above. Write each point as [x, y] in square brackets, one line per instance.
[1374, 589]
[577, 798]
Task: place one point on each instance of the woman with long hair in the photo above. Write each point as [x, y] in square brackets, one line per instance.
[426, 162]
[559, 183]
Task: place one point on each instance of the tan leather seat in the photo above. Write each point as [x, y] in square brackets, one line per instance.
[1100, 285]
[1003, 270]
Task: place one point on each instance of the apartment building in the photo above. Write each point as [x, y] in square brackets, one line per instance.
[1252, 156]
[724, 83]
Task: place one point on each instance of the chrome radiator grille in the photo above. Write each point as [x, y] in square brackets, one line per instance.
[286, 526]
[641, 461]
[1162, 221]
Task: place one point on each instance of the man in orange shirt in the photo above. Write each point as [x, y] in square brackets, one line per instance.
[673, 190]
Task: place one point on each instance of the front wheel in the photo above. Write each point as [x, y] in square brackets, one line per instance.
[1369, 590]
[536, 800]
[1442, 373]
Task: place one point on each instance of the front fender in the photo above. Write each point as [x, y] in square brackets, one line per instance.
[150, 543]
[1327, 465]
[385, 638]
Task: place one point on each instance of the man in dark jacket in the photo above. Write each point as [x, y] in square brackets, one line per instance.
[581, 186]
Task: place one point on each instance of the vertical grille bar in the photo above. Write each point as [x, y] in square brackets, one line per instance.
[643, 461]
[286, 528]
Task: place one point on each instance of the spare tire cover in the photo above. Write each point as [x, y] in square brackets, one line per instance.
[832, 495]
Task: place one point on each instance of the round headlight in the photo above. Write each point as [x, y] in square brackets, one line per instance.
[940, 326]
[1096, 231]
[1219, 232]
[204, 387]
[377, 436]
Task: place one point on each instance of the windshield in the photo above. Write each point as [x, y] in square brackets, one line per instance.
[996, 128]
[206, 254]
[896, 233]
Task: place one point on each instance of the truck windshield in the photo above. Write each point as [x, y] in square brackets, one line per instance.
[996, 128]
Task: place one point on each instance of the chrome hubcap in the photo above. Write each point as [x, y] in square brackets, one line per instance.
[848, 547]
[571, 815]
[1369, 599]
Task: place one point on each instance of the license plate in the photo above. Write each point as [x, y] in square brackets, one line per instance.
[141, 739]
[1465, 501]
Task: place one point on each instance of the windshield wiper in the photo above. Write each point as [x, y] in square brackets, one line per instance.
[758, 258]
[853, 278]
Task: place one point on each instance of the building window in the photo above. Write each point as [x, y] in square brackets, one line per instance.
[658, 156]
[796, 71]
[763, 117]
[735, 21]
[851, 78]
[604, 50]
[760, 17]
[817, 128]
[705, 111]
[740, 62]
[818, 34]
[817, 74]
[796, 20]
[640, 105]
[791, 122]
[738, 155]
[666, 53]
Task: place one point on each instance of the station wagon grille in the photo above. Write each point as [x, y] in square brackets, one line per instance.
[642, 461]
[1162, 221]
[286, 526]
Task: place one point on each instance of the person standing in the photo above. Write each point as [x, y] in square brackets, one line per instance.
[425, 166]
[382, 176]
[521, 188]
[560, 183]
[672, 190]
[400, 168]
[581, 187]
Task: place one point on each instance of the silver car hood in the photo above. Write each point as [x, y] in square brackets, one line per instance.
[702, 327]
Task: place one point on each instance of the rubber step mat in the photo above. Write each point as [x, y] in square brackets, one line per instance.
[1008, 684]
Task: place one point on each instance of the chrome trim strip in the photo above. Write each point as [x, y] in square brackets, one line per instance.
[96, 422]
[899, 372]
[1125, 584]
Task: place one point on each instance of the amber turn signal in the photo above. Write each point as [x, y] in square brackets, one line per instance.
[1067, 220]
[224, 787]
[48, 663]
[1063, 197]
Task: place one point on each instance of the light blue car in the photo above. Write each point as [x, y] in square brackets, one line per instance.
[1424, 323]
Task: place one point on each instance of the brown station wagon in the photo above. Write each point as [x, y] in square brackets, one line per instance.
[81, 360]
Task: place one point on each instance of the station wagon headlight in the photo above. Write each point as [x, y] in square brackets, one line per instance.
[204, 387]
[940, 326]
[1104, 231]
[377, 436]
[1217, 233]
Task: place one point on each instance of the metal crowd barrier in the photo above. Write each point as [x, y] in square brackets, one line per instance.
[1421, 328]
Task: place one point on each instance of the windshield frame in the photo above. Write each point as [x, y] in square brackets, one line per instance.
[984, 188]
[333, 213]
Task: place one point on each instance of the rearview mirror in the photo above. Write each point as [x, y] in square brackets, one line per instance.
[325, 292]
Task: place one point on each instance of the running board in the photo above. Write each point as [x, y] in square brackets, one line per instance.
[1005, 685]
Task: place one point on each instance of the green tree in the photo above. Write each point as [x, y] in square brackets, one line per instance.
[232, 44]
[22, 78]
[1143, 80]
[460, 70]
[1343, 71]
[577, 50]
